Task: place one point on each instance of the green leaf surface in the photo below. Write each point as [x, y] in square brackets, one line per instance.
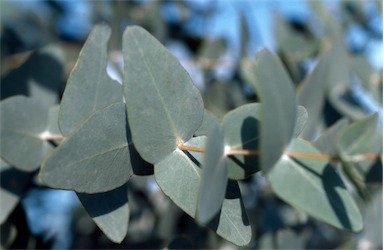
[179, 177]
[110, 211]
[361, 137]
[23, 121]
[326, 143]
[89, 88]
[95, 157]
[276, 92]
[242, 132]
[39, 77]
[352, 143]
[53, 120]
[164, 107]
[313, 186]
[13, 183]
[214, 177]
[301, 120]
[209, 121]
[311, 94]
[295, 45]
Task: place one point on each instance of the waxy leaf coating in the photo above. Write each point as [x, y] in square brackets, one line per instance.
[313, 186]
[89, 88]
[23, 121]
[94, 158]
[276, 92]
[164, 107]
[110, 211]
[214, 177]
[179, 177]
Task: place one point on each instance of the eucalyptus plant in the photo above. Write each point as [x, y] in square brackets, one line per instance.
[103, 133]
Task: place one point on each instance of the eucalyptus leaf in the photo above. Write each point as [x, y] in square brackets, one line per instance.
[53, 120]
[353, 143]
[110, 211]
[209, 121]
[242, 132]
[295, 45]
[275, 90]
[164, 107]
[213, 177]
[313, 186]
[23, 121]
[95, 157]
[361, 137]
[179, 177]
[326, 143]
[311, 94]
[301, 120]
[89, 88]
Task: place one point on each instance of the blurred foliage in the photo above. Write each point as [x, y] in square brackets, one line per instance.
[36, 61]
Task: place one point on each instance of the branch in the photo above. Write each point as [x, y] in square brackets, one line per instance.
[315, 156]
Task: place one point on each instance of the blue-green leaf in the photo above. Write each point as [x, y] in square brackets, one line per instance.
[23, 125]
[164, 107]
[95, 157]
[276, 92]
[179, 177]
[89, 88]
[313, 186]
[214, 177]
[110, 211]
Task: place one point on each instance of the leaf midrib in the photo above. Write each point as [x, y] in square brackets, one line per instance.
[100, 153]
[153, 81]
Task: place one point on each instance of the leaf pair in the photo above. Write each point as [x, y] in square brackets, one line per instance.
[95, 156]
[164, 111]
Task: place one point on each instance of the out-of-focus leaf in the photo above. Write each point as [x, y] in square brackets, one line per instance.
[211, 51]
[89, 88]
[311, 95]
[95, 157]
[293, 44]
[220, 97]
[282, 239]
[39, 77]
[313, 186]
[23, 121]
[179, 177]
[359, 138]
[326, 143]
[370, 78]
[244, 36]
[276, 92]
[110, 211]
[214, 177]
[209, 121]
[342, 99]
[353, 143]
[13, 183]
[164, 107]
[242, 132]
